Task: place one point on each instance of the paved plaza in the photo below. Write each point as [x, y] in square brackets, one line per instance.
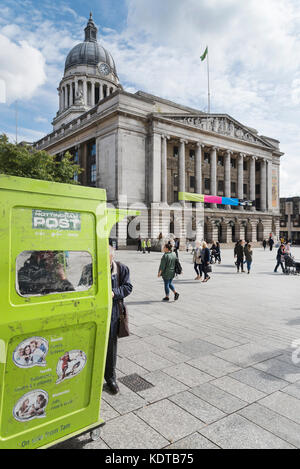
[222, 360]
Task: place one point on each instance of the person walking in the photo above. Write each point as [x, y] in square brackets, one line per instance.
[271, 243]
[176, 246]
[139, 244]
[149, 246]
[264, 244]
[205, 257]
[197, 261]
[167, 271]
[280, 258]
[248, 256]
[239, 254]
[144, 246]
[218, 252]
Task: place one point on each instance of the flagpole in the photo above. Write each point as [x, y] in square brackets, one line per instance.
[208, 83]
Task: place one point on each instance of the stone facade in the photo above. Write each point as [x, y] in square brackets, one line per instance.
[144, 150]
[290, 219]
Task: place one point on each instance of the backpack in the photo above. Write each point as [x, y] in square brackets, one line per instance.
[178, 268]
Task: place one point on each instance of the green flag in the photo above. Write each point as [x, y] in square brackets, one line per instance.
[203, 57]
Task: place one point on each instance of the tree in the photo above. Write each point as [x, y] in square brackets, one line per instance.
[25, 161]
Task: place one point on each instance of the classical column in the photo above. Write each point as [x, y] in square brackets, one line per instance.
[213, 173]
[263, 185]
[155, 169]
[93, 93]
[181, 167]
[227, 177]
[60, 99]
[269, 191]
[76, 87]
[164, 173]
[198, 168]
[66, 96]
[71, 93]
[85, 91]
[252, 181]
[241, 178]
[100, 91]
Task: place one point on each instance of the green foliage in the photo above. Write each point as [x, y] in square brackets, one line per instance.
[25, 161]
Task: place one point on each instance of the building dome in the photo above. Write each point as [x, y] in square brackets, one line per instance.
[89, 53]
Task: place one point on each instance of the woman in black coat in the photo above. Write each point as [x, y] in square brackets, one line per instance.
[205, 257]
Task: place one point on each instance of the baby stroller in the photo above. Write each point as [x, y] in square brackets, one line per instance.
[291, 266]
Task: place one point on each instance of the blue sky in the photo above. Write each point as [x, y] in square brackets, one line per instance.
[254, 56]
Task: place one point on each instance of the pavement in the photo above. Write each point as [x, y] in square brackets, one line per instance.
[222, 363]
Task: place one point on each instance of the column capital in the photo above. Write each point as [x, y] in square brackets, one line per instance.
[214, 149]
[200, 144]
[242, 155]
[229, 152]
[165, 137]
[182, 140]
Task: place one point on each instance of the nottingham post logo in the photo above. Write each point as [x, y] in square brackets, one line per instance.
[50, 220]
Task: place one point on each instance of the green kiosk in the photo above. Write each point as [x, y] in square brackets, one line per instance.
[55, 306]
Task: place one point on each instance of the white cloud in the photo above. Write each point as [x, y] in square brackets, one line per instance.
[22, 67]
[254, 52]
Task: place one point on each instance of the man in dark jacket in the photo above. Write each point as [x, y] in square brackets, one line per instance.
[121, 287]
[239, 254]
[280, 255]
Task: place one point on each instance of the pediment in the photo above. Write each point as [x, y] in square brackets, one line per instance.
[221, 124]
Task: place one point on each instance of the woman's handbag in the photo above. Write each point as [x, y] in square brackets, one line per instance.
[208, 269]
[123, 321]
[123, 329]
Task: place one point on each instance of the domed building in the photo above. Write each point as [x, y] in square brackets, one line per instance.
[144, 149]
[90, 75]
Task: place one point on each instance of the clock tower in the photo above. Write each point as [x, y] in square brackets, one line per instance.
[90, 76]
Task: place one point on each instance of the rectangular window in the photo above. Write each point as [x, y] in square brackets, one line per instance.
[233, 163]
[257, 166]
[192, 154]
[245, 165]
[175, 196]
[257, 189]
[175, 152]
[233, 188]
[41, 273]
[192, 182]
[93, 175]
[175, 180]
[207, 184]
[207, 158]
[221, 186]
[220, 161]
[245, 190]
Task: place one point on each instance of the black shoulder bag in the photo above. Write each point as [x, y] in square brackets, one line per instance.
[123, 330]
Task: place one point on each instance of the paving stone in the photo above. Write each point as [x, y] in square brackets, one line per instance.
[219, 398]
[238, 389]
[133, 348]
[107, 412]
[150, 361]
[129, 367]
[146, 331]
[171, 355]
[214, 366]
[259, 380]
[273, 422]
[286, 371]
[235, 432]
[124, 402]
[196, 348]
[283, 404]
[194, 441]
[221, 341]
[157, 341]
[293, 390]
[188, 375]
[197, 407]
[172, 422]
[247, 355]
[164, 386]
[130, 432]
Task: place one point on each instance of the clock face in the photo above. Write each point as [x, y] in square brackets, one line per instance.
[104, 69]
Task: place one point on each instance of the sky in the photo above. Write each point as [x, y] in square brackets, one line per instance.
[254, 55]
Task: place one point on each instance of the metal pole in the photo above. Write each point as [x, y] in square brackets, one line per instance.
[208, 83]
[16, 122]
